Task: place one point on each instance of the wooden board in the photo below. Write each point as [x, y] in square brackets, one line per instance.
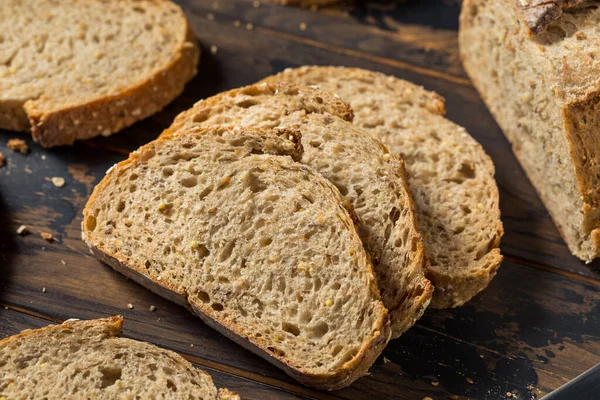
[533, 329]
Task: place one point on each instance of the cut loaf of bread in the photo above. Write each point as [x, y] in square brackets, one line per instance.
[450, 176]
[75, 69]
[357, 163]
[545, 94]
[259, 246]
[88, 360]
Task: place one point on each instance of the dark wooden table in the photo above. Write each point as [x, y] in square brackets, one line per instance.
[536, 327]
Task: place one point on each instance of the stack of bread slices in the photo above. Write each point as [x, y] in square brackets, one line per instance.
[307, 229]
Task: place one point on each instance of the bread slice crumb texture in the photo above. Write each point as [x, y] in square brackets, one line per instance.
[450, 176]
[368, 176]
[260, 246]
[76, 69]
[88, 359]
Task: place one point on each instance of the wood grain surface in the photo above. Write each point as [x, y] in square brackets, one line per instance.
[536, 327]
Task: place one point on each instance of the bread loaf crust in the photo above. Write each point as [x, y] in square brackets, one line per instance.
[538, 14]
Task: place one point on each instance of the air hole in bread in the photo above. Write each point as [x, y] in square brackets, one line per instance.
[201, 250]
[277, 351]
[133, 177]
[202, 116]
[317, 284]
[120, 206]
[467, 171]
[315, 143]
[290, 328]
[110, 375]
[247, 103]
[342, 188]
[147, 264]
[132, 188]
[265, 241]
[318, 330]
[90, 223]
[189, 182]
[171, 385]
[227, 250]
[217, 306]
[466, 209]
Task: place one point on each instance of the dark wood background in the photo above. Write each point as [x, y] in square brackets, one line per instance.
[536, 327]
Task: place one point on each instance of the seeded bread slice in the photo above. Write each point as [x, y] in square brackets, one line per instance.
[257, 245]
[73, 70]
[450, 176]
[357, 163]
[88, 359]
[545, 94]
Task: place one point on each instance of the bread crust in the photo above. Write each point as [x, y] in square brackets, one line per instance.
[538, 14]
[349, 372]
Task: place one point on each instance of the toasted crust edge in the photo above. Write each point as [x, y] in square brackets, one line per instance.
[114, 328]
[350, 371]
[111, 113]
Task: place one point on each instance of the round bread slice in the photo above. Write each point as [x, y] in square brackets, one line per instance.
[261, 247]
[450, 176]
[88, 359]
[75, 69]
[367, 175]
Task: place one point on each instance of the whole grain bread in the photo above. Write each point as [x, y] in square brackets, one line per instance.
[88, 360]
[450, 176]
[544, 92]
[371, 178]
[259, 246]
[76, 69]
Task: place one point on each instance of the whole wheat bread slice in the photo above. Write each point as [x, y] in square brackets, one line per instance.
[450, 176]
[259, 246]
[73, 70]
[88, 360]
[371, 178]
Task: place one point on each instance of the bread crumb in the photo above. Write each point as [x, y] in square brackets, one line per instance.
[210, 16]
[481, 356]
[302, 26]
[249, 26]
[47, 236]
[18, 145]
[191, 344]
[469, 380]
[435, 383]
[22, 230]
[2, 160]
[508, 394]
[43, 290]
[63, 262]
[386, 360]
[152, 308]
[130, 306]
[58, 181]
[213, 49]
[237, 24]
[580, 35]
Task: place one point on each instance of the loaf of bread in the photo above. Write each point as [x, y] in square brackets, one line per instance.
[450, 176]
[371, 178]
[259, 246]
[88, 360]
[73, 69]
[544, 92]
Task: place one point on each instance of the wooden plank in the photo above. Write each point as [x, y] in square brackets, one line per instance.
[14, 322]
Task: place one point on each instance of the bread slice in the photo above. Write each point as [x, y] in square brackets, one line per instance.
[545, 94]
[259, 246]
[357, 163]
[88, 359]
[73, 70]
[450, 176]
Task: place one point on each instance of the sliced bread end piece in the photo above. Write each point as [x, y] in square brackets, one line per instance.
[88, 358]
[259, 246]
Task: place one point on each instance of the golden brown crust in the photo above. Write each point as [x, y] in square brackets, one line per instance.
[538, 14]
[113, 327]
[112, 113]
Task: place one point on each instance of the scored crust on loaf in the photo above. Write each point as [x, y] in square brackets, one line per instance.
[88, 359]
[371, 178]
[538, 14]
[549, 110]
[73, 70]
[450, 176]
[261, 247]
